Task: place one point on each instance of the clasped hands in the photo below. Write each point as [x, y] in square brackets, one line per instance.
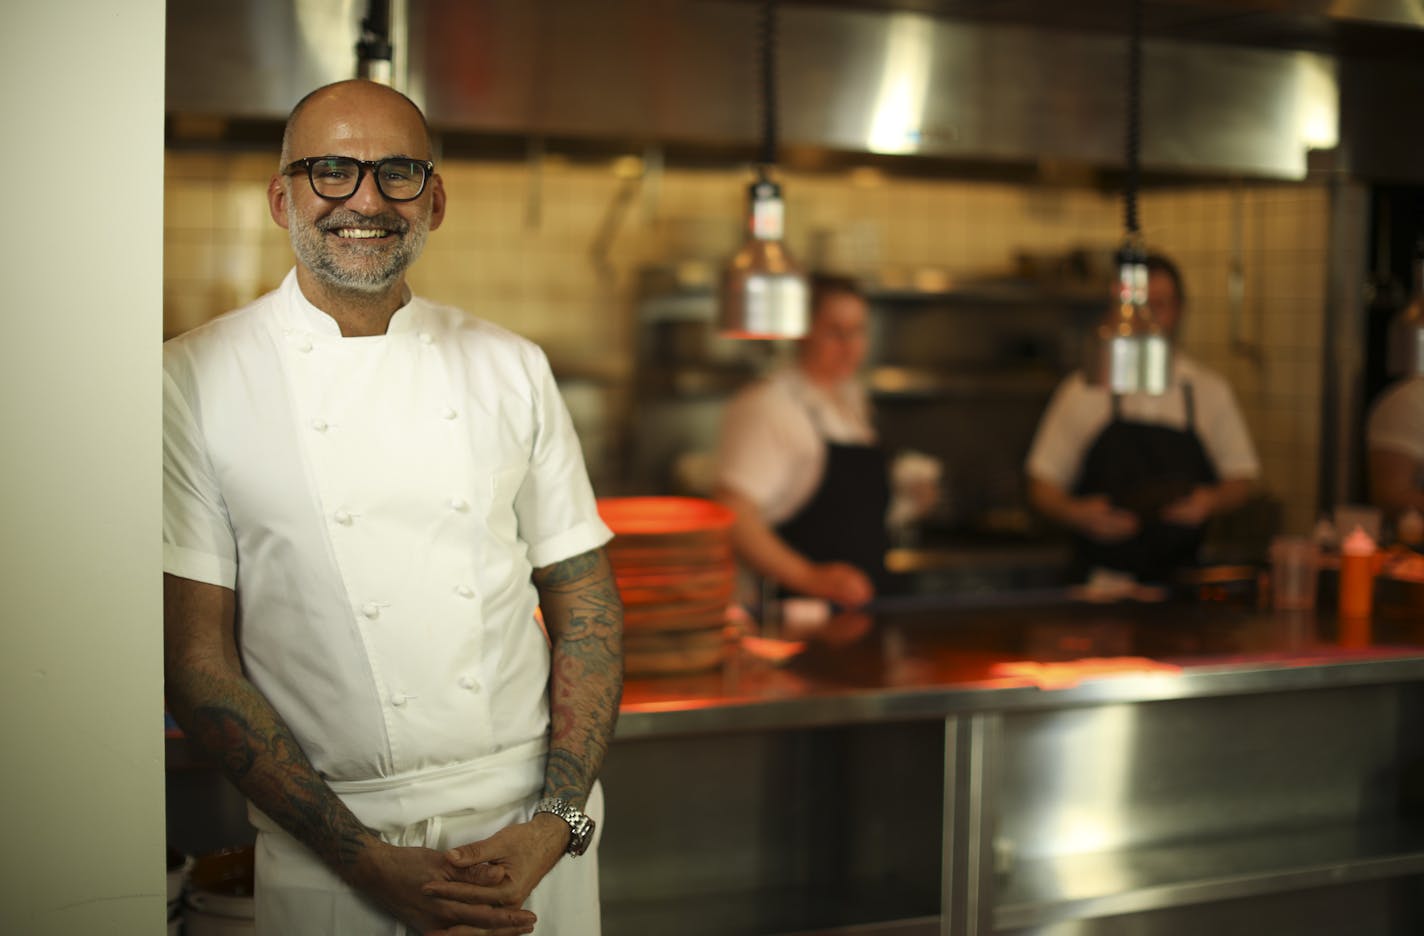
[477, 889]
[1100, 520]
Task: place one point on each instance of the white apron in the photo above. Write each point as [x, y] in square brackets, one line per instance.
[298, 894]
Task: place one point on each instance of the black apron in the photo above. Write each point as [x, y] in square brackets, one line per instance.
[844, 521]
[1143, 467]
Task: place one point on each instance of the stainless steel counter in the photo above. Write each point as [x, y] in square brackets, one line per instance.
[936, 662]
[1052, 770]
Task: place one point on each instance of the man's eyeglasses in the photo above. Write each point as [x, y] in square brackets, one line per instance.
[399, 178]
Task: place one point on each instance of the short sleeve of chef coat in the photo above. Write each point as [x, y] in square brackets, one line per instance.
[769, 450]
[556, 507]
[1396, 422]
[198, 541]
[1075, 415]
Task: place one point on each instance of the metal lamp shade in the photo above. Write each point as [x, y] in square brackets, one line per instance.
[1130, 352]
[764, 293]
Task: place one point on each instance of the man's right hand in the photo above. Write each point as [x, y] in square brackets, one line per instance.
[1096, 518]
[394, 876]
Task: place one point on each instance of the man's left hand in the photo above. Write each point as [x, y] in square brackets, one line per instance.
[517, 856]
[1193, 510]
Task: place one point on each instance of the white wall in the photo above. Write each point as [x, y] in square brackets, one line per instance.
[81, 787]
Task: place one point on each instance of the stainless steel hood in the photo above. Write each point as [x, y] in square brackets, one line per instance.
[1242, 88]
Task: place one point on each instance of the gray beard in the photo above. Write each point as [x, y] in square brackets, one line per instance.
[312, 249]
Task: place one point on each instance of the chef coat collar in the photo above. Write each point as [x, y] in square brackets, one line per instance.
[302, 314]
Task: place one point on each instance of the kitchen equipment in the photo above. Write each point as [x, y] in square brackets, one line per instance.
[1358, 560]
[1294, 564]
[764, 292]
[219, 901]
[1132, 351]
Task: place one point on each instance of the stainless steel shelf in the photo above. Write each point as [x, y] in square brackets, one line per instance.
[1083, 886]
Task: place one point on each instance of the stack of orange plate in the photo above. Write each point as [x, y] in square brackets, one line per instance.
[672, 557]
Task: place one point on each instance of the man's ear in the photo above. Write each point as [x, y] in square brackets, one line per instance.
[437, 201]
[277, 201]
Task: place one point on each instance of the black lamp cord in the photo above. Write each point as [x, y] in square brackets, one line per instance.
[1134, 121]
[375, 42]
[768, 87]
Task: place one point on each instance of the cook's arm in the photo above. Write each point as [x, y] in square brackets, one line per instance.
[1231, 494]
[768, 554]
[1094, 517]
[1393, 481]
[1209, 500]
[224, 714]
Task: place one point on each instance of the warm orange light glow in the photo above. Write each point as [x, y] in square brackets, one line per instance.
[653, 515]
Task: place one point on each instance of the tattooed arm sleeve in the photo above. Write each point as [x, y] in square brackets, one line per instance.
[229, 719]
[584, 616]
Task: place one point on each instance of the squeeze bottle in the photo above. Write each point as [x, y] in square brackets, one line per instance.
[1357, 574]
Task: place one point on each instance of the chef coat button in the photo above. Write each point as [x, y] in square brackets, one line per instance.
[460, 504]
[467, 683]
[398, 699]
[319, 424]
[304, 345]
[464, 591]
[448, 413]
[426, 338]
[371, 610]
[342, 517]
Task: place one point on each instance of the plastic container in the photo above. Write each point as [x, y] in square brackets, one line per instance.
[1357, 574]
[1294, 561]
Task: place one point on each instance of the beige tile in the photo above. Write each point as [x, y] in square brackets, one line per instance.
[188, 258]
[188, 204]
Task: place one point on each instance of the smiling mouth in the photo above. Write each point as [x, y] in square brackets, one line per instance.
[361, 233]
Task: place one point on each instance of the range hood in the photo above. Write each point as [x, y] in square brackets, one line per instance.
[1240, 89]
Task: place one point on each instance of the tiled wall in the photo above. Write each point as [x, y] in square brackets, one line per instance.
[554, 252]
[1275, 238]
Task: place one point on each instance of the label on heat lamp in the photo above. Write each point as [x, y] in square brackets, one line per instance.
[767, 218]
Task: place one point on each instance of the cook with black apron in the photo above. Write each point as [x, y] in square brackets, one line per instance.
[800, 465]
[1143, 468]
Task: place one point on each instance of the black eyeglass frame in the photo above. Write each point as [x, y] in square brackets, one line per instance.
[305, 164]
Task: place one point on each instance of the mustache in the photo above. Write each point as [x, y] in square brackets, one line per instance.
[344, 218]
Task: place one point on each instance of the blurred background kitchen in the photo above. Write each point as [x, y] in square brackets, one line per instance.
[963, 159]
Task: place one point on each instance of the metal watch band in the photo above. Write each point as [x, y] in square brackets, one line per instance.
[580, 825]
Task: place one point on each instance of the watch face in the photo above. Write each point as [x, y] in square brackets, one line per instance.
[580, 825]
[582, 835]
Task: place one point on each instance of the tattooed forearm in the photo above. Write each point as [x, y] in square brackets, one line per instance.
[226, 716]
[584, 616]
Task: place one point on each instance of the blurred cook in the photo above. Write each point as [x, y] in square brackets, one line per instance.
[1135, 477]
[800, 463]
[1395, 438]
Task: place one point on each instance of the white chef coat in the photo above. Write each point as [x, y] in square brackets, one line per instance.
[379, 504]
[772, 445]
[1078, 413]
[1396, 420]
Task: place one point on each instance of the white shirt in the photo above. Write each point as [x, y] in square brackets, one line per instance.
[1397, 419]
[772, 445]
[378, 504]
[1078, 413]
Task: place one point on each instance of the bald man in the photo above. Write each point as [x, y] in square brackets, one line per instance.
[367, 497]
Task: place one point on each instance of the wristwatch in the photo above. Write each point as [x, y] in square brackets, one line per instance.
[580, 825]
